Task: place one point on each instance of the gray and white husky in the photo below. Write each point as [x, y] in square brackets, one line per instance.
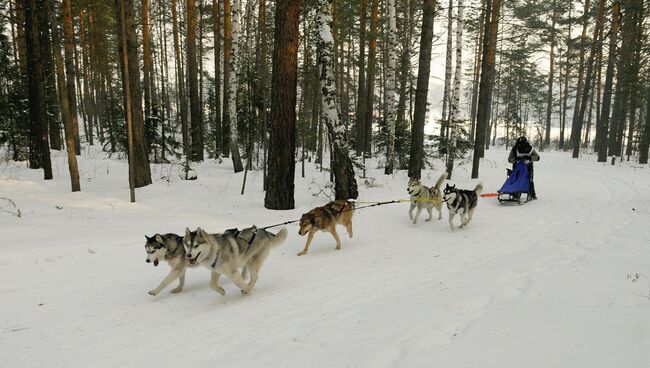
[462, 202]
[168, 247]
[229, 251]
[424, 197]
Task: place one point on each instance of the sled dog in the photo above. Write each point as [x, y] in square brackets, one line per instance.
[424, 197]
[325, 219]
[225, 253]
[168, 247]
[462, 202]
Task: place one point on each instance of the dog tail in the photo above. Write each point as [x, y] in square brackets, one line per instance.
[440, 180]
[479, 188]
[279, 237]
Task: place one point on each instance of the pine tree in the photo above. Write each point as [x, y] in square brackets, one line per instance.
[492, 13]
[282, 144]
[133, 99]
[39, 142]
[417, 134]
[65, 109]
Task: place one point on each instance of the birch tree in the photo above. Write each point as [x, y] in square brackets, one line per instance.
[232, 87]
[455, 97]
[391, 87]
[444, 118]
[345, 182]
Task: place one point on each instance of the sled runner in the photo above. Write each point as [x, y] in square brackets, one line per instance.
[517, 185]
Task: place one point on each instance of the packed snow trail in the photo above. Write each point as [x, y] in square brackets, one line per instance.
[538, 285]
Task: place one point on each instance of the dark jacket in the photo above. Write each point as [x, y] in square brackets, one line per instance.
[526, 153]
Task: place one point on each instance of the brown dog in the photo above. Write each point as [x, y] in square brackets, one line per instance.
[325, 219]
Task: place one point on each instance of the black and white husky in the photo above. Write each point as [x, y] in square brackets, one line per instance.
[168, 247]
[230, 251]
[462, 202]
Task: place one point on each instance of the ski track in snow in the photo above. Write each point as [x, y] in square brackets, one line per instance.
[538, 285]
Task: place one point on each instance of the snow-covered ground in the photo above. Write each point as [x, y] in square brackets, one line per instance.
[539, 285]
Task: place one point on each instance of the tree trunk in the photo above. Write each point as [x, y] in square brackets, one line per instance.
[477, 71]
[370, 86]
[52, 108]
[361, 94]
[579, 120]
[644, 140]
[123, 23]
[86, 77]
[391, 87]
[624, 78]
[71, 71]
[567, 74]
[345, 182]
[180, 80]
[232, 86]
[551, 76]
[147, 70]
[444, 118]
[133, 101]
[487, 81]
[65, 109]
[192, 71]
[575, 124]
[602, 125]
[455, 97]
[216, 13]
[227, 52]
[282, 144]
[417, 133]
[39, 145]
[635, 64]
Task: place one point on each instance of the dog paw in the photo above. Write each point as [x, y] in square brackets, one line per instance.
[302, 253]
[153, 292]
[427, 220]
[338, 247]
[221, 291]
[176, 290]
[245, 292]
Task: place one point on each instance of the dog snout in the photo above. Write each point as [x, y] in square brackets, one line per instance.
[188, 256]
[148, 260]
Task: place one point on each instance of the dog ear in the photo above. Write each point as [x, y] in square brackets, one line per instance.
[148, 238]
[188, 232]
[159, 239]
[200, 231]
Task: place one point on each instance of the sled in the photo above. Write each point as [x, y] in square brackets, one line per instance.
[517, 185]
